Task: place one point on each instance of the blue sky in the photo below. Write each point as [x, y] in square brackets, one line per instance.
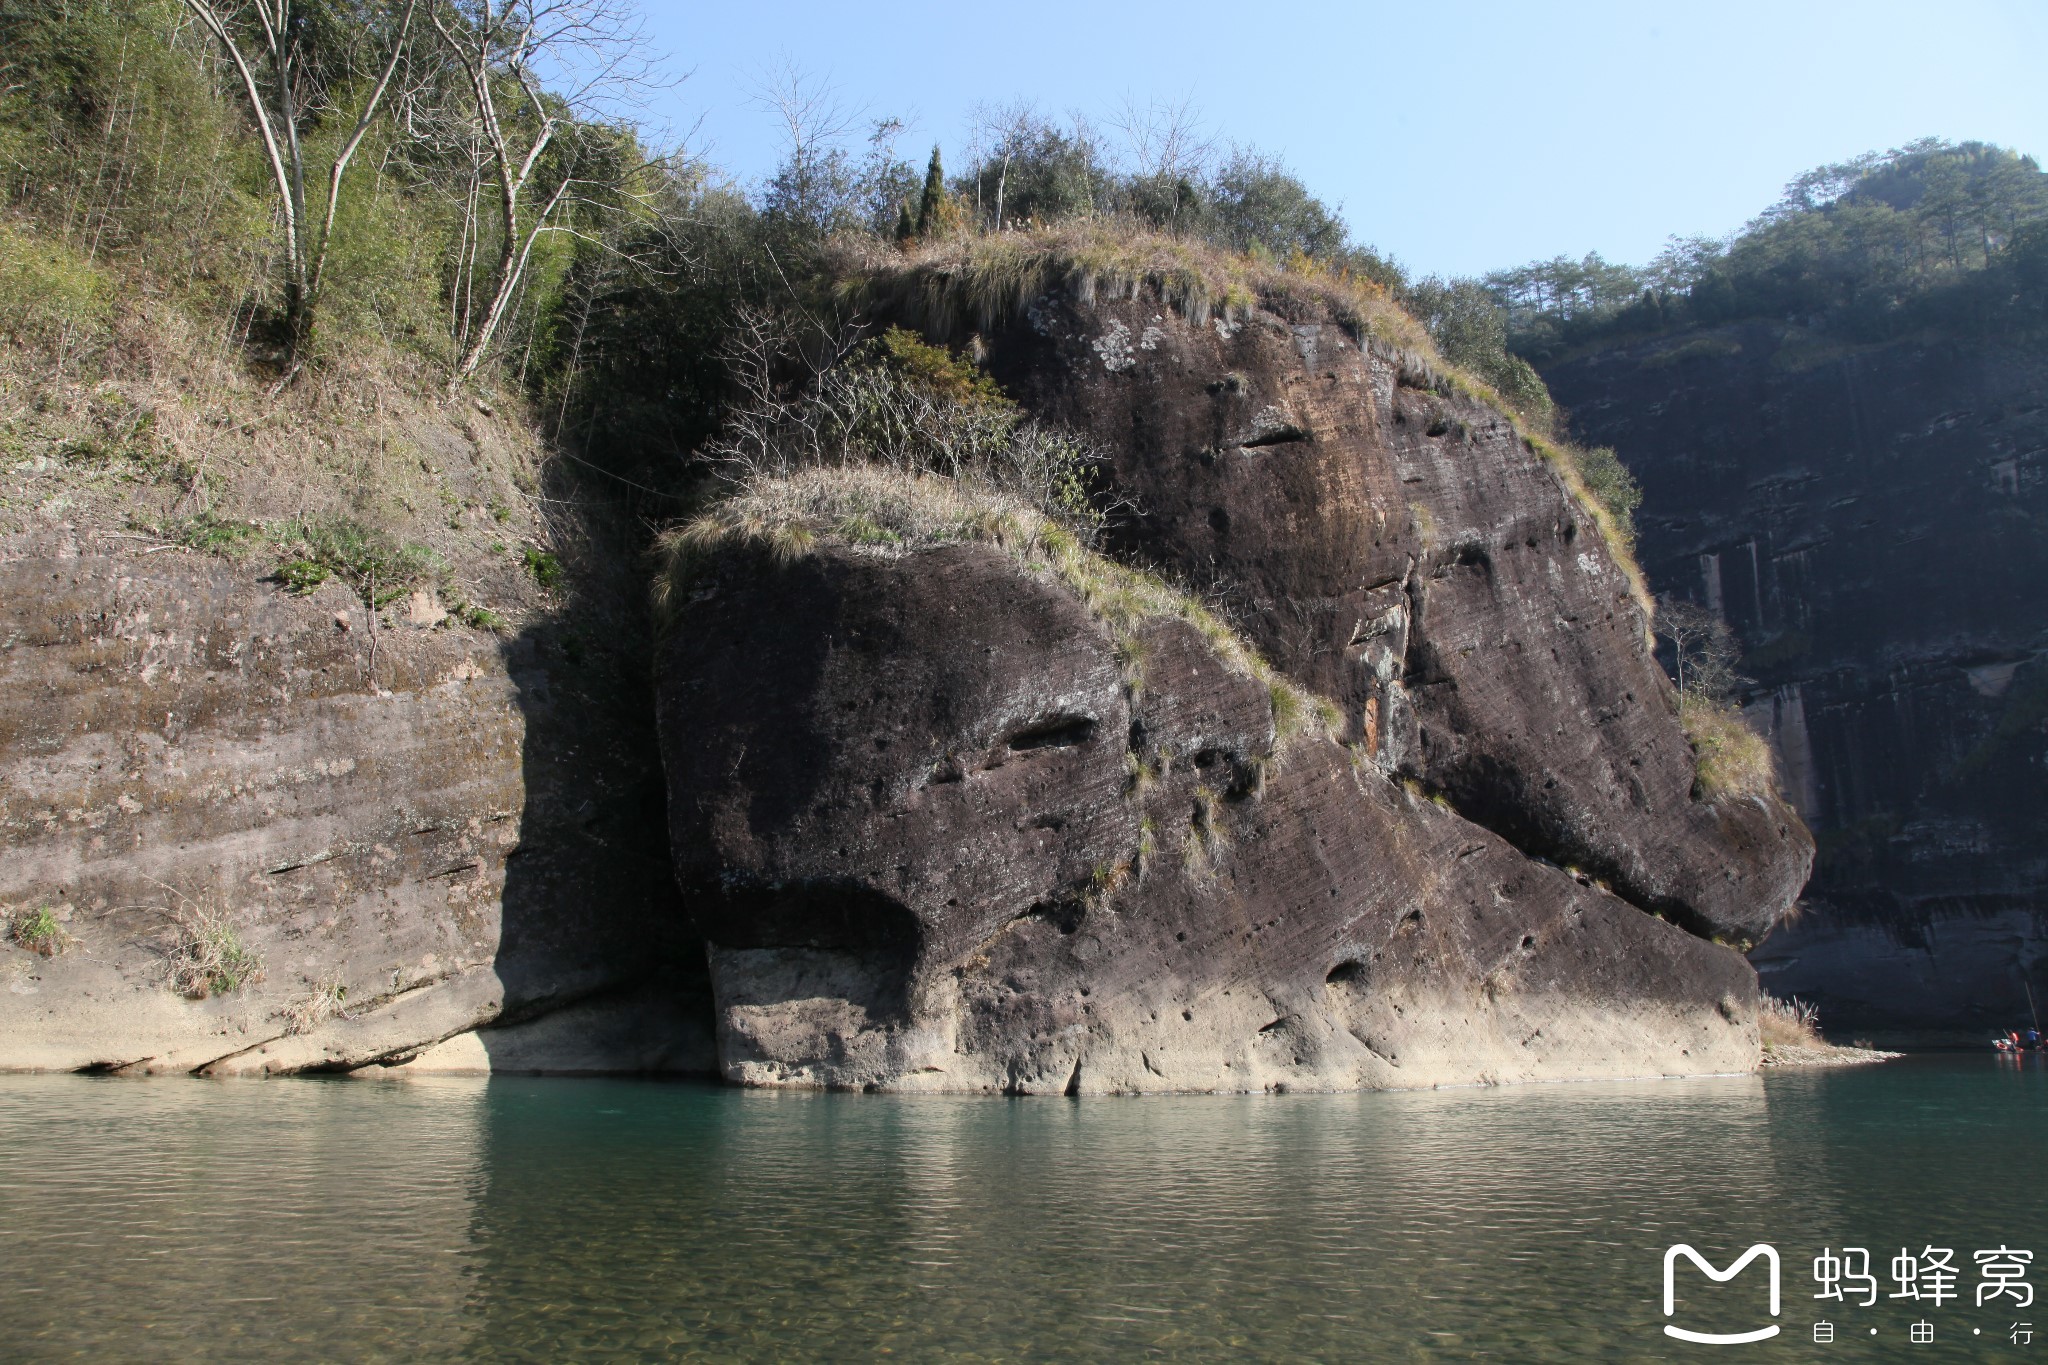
[1459, 135]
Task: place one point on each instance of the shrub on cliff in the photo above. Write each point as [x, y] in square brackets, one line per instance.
[897, 403]
[1699, 651]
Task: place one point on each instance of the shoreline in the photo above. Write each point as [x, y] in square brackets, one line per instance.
[1826, 1054]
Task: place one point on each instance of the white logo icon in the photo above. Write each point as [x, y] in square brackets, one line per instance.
[1671, 1255]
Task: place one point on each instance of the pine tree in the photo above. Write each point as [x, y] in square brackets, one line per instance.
[932, 204]
[906, 227]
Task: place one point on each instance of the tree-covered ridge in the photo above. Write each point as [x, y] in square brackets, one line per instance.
[1933, 233]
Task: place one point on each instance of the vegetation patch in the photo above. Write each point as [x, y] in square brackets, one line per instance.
[1731, 759]
[470, 614]
[207, 955]
[545, 568]
[39, 931]
[953, 286]
[327, 999]
[1788, 1023]
[378, 569]
[230, 538]
[49, 291]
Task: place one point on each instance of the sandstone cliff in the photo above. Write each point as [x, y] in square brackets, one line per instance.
[951, 818]
[1867, 518]
[280, 831]
[977, 810]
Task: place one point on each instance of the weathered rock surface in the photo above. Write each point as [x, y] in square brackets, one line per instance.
[1869, 520]
[419, 832]
[1405, 553]
[942, 833]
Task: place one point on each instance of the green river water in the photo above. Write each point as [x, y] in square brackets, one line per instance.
[549, 1220]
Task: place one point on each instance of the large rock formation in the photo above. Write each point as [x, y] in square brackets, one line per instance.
[941, 829]
[1399, 549]
[1868, 519]
[416, 831]
[937, 843]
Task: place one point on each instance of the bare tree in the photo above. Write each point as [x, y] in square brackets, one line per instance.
[813, 121]
[1703, 650]
[1172, 148]
[540, 153]
[998, 134]
[261, 39]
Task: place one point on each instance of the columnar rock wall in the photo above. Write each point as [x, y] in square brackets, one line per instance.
[1868, 519]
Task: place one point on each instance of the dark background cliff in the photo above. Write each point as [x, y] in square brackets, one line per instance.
[1872, 519]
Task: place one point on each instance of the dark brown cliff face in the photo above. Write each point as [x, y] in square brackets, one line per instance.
[1405, 554]
[941, 832]
[1868, 519]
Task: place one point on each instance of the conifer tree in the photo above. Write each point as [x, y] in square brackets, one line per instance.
[906, 227]
[932, 204]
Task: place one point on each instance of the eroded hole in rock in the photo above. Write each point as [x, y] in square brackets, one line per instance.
[1063, 915]
[817, 915]
[1276, 436]
[1056, 732]
[1051, 822]
[1269, 1028]
[822, 940]
[1351, 973]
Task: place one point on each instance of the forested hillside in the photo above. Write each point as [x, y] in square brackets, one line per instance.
[1932, 234]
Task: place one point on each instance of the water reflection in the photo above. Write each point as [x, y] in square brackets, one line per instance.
[539, 1220]
[189, 1220]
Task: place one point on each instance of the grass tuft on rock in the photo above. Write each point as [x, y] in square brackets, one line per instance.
[1731, 759]
[1788, 1023]
[208, 956]
[39, 931]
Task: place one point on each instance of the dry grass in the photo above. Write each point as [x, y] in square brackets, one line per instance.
[208, 956]
[154, 422]
[959, 285]
[956, 285]
[1731, 759]
[1788, 1023]
[326, 1000]
[890, 512]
